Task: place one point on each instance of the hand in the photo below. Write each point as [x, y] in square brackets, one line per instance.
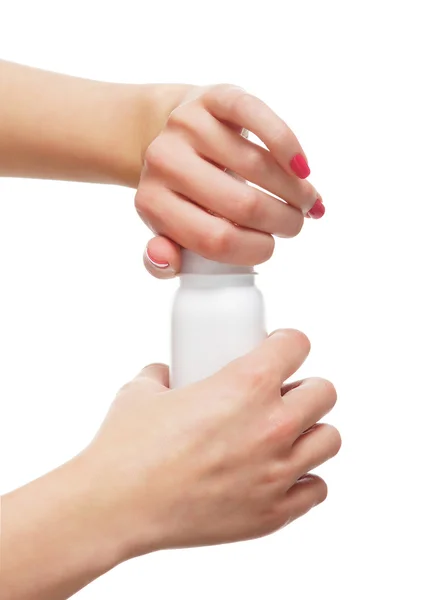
[187, 199]
[222, 460]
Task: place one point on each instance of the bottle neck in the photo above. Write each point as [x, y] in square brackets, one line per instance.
[189, 280]
[193, 264]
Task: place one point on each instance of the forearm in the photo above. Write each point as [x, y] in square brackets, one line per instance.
[55, 126]
[55, 537]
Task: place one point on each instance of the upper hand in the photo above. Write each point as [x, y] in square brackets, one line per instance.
[187, 199]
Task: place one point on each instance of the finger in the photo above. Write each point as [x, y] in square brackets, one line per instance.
[307, 492]
[191, 227]
[257, 165]
[309, 402]
[229, 103]
[156, 374]
[223, 145]
[314, 448]
[162, 258]
[279, 356]
[222, 194]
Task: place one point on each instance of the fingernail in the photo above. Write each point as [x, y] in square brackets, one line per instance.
[299, 166]
[156, 263]
[277, 332]
[306, 477]
[318, 210]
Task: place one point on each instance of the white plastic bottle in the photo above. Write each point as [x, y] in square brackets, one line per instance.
[218, 315]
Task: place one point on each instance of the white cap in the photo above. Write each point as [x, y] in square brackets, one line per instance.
[193, 264]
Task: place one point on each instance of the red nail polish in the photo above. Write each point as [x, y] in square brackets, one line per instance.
[318, 210]
[156, 263]
[299, 166]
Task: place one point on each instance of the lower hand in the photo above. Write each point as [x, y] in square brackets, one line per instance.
[187, 199]
[223, 460]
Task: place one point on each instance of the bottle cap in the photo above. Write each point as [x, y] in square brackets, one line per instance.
[193, 264]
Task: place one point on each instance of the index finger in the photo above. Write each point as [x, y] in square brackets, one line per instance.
[157, 374]
[280, 355]
[236, 106]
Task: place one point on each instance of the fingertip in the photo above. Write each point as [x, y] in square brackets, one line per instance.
[318, 487]
[162, 258]
[295, 336]
[267, 250]
[282, 353]
[317, 211]
[322, 489]
[156, 372]
[300, 166]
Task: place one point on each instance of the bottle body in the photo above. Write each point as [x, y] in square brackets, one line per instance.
[216, 318]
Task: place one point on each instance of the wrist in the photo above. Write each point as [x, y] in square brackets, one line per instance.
[113, 501]
[53, 531]
[100, 533]
[55, 126]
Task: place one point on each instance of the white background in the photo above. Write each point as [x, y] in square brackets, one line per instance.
[362, 85]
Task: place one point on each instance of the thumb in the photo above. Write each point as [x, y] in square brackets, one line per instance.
[162, 258]
[157, 375]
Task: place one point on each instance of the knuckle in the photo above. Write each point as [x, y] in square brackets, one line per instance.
[157, 156]
[140, 202]
[248, 204]
[143, 202]
[256, 376]
[241, 104]
[272, 475]
[254, 160]
[281, 428]
[259, 376]
[218, 241]
[148, 203]
[280, 132]
[284, 472]
[182, 117]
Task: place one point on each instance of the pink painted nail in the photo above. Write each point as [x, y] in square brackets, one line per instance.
[318, 210]
[156, 263]
[299, 166]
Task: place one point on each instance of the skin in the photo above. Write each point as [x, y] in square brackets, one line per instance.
[223, 460]
[171, 143]
[184, 190]
[55, 126]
